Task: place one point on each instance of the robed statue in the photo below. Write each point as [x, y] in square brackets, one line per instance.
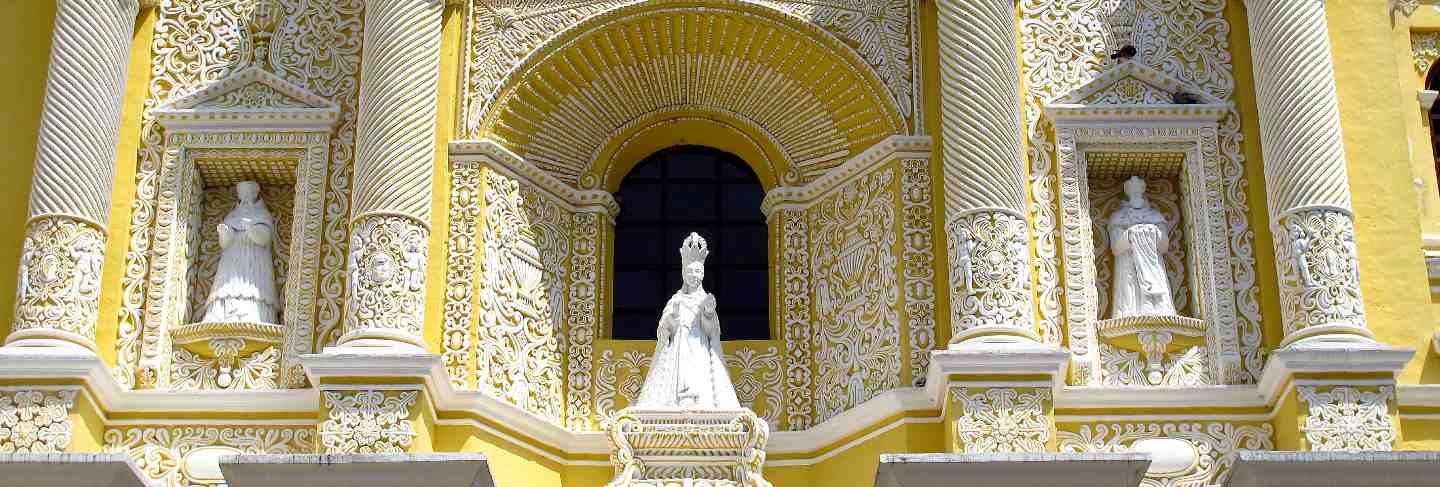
[244, 286]
[1138, 239]
[688, 369]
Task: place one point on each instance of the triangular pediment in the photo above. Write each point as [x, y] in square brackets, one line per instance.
[251, 89]
[1130, 83]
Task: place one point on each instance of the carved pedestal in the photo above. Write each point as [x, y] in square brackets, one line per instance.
[685, 448]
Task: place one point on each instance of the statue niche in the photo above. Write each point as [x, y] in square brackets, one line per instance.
[1140, 247]
[243, 290]
[1139, 238]
[688, 428]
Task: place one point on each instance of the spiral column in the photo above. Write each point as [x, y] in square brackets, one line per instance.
[981, 133]
[394, 157]
[1306, 182]
[64, 248]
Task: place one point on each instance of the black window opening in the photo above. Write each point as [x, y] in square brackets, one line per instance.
[680, 190]
[1432, 82]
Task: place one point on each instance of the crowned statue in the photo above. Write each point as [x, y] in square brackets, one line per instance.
[688, 370]
[1138, 240]
[244, 286]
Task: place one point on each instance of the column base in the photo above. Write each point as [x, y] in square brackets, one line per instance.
[377, 341]
[992, 335]
[1330, 336]
[46, 338]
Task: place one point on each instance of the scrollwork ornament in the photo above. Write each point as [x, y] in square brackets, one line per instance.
[160, 453]
[919, 264]
[34, 421]
[368, 421]
[387, 275]
[1425, 48]
[59, 286]
[990, 278]
[795, 291]
[1212, 443]
[1002, 420]
[1347, 418]
[1319, 273]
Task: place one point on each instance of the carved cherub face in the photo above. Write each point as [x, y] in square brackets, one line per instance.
[248, 191]
[693, 274]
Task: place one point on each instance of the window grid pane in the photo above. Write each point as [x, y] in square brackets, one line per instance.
[667, 196]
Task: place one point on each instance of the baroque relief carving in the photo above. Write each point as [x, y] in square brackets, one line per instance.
[317, 46]
[368, 421]
[35, 421]
[1346, 418]
[1187, 40]
[1001, 420]
[503, 33]
[522, 296]
[1425, 48]
[59, 287]
[260, 370]
[853, 271]
[586, 235]
[1211, 444]
[989, 250]
[1319, 273]
[187, 456]
[387, 277]
[756, 373]
[919, 264]
[795, 313]
[465, 211]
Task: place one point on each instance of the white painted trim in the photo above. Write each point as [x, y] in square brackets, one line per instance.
[1353, 358]
[1235, 396]
[1427, 98]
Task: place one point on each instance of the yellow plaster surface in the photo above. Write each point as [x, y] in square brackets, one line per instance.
[1387, 219]
[25, 45]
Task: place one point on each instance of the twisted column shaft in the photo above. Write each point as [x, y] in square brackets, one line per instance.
[394, 157]
[1306, 181]
[64, 247]
[984, 163]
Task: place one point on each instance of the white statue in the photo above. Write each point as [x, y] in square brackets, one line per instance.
[1138, 239]
[244, 287]
[688, 369]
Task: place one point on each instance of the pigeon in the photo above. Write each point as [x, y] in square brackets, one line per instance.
[1125, 53]
[1184, 98]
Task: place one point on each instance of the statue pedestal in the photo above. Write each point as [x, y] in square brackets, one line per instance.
[688, 448]
[1153, 336]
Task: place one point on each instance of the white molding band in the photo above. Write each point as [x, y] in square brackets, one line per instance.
[984, 171]
[395, 157]
[64, 247]
[1306, 181]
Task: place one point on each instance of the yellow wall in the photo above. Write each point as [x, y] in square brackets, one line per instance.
[25, 47]
[1387, 218]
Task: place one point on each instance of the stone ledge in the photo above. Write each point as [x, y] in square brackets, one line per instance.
[1012, 469]
[1311, 469]
[69, 469]
[358, 470]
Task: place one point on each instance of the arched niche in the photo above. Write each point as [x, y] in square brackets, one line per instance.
[805, 97]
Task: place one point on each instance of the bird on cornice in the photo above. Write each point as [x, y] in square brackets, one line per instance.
[1125, 53]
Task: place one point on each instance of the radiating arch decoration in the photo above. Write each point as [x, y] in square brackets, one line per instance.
[781, 78]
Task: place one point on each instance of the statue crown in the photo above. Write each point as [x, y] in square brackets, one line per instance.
[693, 249]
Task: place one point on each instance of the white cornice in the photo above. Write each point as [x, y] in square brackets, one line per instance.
[1100, 398]
[892, 148]
[316, 113]
[992, 359]
[1286, 362]
[516, 166]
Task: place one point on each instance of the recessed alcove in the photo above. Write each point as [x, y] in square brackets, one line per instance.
[1123, 124]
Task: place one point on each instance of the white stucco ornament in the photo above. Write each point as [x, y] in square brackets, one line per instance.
[1138, 240]
[244, 288]
[689, 368]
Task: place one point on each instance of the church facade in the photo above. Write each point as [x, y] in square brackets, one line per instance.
[1171, 243]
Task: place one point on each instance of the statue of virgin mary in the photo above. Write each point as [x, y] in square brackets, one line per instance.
[244, 286]
[1138, 239]
[688, 370]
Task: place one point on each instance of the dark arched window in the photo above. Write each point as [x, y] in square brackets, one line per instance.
[1432, 82]
[674, 192]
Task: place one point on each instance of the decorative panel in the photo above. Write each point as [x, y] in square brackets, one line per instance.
[187, 456]
[854, 273]
[1188, 40]
[1195, 454]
